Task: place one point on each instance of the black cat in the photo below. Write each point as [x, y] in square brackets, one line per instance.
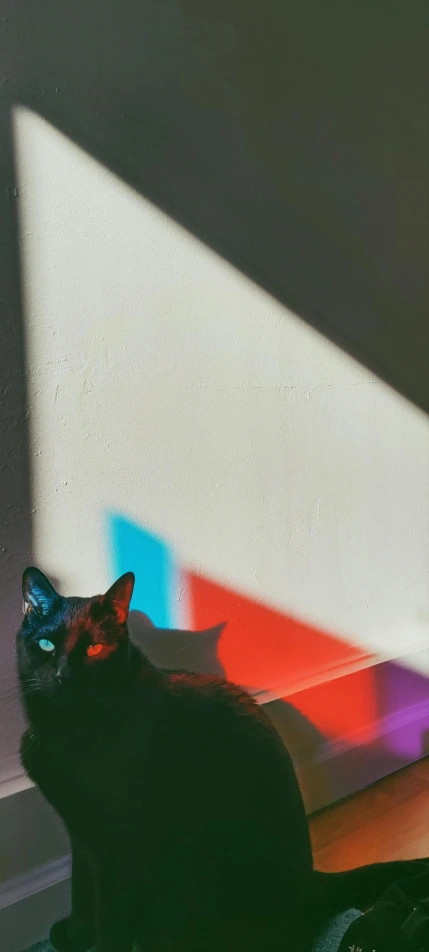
[186, 821]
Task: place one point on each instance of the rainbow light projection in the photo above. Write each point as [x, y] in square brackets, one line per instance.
[352, 698]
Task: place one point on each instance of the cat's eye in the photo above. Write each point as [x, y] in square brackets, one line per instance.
[46, 645]
[93, 650]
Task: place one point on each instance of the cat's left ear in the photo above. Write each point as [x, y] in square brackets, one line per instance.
[118, 598]
[37, 592]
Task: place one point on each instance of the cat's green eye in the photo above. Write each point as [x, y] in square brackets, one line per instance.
[46, 645]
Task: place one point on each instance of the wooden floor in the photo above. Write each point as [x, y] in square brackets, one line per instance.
[388, 821]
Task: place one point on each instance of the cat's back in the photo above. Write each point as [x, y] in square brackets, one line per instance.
[211, 735]
[210, 705]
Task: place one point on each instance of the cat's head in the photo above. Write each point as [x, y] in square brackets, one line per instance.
[71, 649]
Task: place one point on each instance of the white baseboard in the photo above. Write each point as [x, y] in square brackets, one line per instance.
[21, 887]
[12, 777]
[34, 869]
[29, 919]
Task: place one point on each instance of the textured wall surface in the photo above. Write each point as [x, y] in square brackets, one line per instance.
[159, 410]
[299, 152]
[165, 386]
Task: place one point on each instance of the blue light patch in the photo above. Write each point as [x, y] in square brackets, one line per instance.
[133, 548]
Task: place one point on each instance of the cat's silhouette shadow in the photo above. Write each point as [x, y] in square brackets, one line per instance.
[197, 651]
[175, 649]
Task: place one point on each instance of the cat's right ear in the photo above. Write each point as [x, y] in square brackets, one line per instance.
[37, 592]
[119, 596]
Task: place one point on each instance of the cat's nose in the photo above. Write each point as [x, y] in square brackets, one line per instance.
[62, 674]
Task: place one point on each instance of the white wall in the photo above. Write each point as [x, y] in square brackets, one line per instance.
[165, 384]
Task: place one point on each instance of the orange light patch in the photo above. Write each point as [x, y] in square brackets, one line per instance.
[261, 648]
[94, 650]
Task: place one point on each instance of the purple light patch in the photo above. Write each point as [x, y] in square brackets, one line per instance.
[403, 707]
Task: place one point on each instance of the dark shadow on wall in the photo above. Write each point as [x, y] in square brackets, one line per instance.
[173, 648]
[15, 493]
[292, 137]
[327, 774]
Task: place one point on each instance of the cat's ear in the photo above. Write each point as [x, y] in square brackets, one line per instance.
[118, 598]
[37, 592]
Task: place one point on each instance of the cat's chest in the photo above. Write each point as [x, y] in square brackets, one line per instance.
[73, 775]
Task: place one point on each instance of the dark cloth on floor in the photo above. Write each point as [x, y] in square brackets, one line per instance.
[328, 940]
[398, 922]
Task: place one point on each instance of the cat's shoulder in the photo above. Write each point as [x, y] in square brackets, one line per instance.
[182, 682]
[206, 691]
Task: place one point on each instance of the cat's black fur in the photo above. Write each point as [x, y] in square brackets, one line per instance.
[187, 825]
